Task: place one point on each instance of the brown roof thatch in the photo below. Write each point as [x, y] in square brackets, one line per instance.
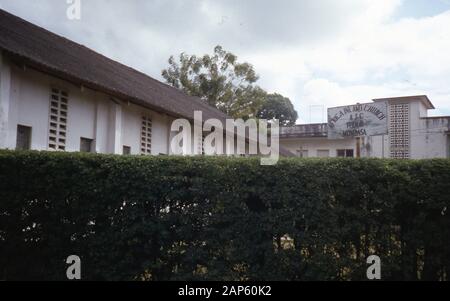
[45, 51]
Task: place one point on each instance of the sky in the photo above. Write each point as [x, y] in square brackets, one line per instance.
[319, 53]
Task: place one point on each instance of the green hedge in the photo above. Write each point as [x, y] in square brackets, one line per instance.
[171, 218]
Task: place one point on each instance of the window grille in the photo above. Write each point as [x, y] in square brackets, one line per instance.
[399, 131]
[57, 137]
[146, 136]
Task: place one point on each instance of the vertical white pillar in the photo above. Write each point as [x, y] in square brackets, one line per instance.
[448, 142]
[102, 125]
[5, 99]
[115, 129]
[168, 124]
[97, 126]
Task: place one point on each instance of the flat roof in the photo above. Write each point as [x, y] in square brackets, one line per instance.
[423, 98]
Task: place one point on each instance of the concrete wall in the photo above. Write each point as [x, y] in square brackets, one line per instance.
[110, 123]
[5, 100]
[131, 129]
[313, 145]
[375, 147]
[429, 138]
[417, 110]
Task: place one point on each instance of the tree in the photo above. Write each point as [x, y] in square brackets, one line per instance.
[278, 107]
[218, 79]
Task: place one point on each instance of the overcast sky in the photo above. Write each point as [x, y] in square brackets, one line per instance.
[319, 53]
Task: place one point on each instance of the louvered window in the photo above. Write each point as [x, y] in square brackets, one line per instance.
[146, 136]
[399, 131]
[57, 137]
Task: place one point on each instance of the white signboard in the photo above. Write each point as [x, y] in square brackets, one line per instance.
[358, 120]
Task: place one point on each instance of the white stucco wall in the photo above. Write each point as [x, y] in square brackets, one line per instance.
[160, 133]
[313, 145]
[110, 123]
[102, 124]
[417, 110]
[81, 117]
[131, 129]
[429, 138]
[30, 107]
[5, 100]
[375, 147]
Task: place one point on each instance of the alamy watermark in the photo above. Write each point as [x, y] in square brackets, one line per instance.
[73, 272]
[374, 270]
[73, 11]
[235, 138]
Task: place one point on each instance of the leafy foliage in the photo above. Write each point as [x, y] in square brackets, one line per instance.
[218, 79]
[174, 218]
[223, 82]
[278, 107]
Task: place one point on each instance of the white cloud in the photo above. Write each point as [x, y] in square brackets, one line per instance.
[377, 58]
[317, 52]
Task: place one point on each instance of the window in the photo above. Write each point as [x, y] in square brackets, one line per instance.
[399, 131]
[302, 153]
[58, 120]
[345, 153]
[349, 153]
[126, 150]
[23, 137]
[146, 136]
[86, 145]
[323, 153]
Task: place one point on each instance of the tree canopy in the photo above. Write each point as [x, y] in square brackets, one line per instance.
[223, 82]
[278, 107]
